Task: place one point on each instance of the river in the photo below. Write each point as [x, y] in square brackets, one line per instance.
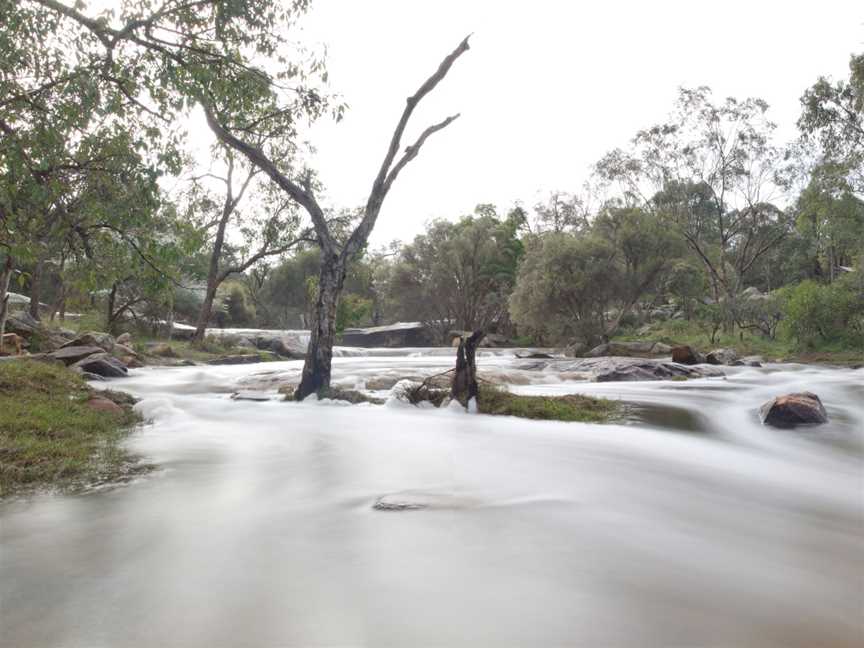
[688, 523]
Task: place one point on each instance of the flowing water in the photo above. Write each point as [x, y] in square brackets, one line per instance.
[688, 523]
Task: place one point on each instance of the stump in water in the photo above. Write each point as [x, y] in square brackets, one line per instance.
[464, 386]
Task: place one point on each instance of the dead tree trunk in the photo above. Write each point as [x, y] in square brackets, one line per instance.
[5, 276]
[464, 386]
[335, 255]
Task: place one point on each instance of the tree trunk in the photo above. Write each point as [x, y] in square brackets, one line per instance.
[36, 288]
[464, 386]
[316, 368]
[5, 276]
[205, 312]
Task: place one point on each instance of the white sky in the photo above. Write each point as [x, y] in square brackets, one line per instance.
[547, 87]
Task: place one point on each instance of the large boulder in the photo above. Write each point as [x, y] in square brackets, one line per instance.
[793, 409]
[630, 349]
[71, 354]
[401, 334]
[721, 357]
[101, 364]
[104, 341]
[686, 355]
[22, 323]
[124, 338]
[287, 347]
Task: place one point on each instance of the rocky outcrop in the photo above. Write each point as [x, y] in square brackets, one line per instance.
[161, 349]
[793, 409]
[402, 334]
[616, 369]
[125, 339]
[286, 347]
[104, 341]
[71, 354]
[101, 364]
[721, 357]
[687, 355]
[104, 405]
[630, 349]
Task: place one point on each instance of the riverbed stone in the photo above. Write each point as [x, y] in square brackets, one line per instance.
[793, 409]
[687, 355]
[240, 358]
[104, 405]
[104, 341]
[617, 369]
[101, 364]
[72, 354]
[721, 356]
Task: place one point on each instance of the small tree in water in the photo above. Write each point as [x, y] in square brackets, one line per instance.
[335, 255]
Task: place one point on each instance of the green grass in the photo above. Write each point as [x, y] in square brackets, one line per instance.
[209, 349]
[49, 437]
[747, 343]
[573, 407]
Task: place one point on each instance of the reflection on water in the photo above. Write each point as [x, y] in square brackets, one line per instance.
[259, 528]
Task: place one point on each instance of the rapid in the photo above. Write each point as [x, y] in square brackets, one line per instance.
[687, 522]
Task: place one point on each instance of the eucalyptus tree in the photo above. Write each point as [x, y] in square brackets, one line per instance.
[832, 123]
[710, 172]
[337, 253]
[264, 228]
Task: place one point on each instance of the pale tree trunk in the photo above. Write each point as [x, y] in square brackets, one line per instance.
[5, 276]
[36, 288]
[319, 355]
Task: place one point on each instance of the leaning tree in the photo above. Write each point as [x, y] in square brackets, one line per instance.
[336, 254]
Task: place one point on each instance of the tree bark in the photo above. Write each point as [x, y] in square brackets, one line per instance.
[36, 288]
[464, 386]
[319, 354]
[5, 276]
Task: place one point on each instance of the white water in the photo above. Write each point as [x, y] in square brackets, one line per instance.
[690, 524]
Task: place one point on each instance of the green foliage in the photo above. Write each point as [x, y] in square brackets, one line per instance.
[353, 310]
[821, 313]
[48, 436]
[570, 408]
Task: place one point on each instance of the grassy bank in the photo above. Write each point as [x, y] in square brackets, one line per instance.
[50, 437]
[572, 407]
[780, 349]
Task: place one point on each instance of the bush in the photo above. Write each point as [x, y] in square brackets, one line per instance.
[824, 313]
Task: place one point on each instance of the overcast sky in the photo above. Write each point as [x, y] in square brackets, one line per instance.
[547, 87]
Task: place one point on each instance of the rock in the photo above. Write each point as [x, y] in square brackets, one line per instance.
[22, 323]
[69, 334]
[350, 396]
[122, 349]
[287, 347]
[250, 396]
[629, 349]
[380, 383]
[243, 358]
[401, 334]
[89, 377]
[575, 350]
[104, 405]
[161, 349]
[132, 362]
[535, 356]
[104, 341]
[124, 338]
[245, 343]
[686, 355]
[616, 369]
[72, 354]
[721, 357]
[493, 340]
[101, 364]
[752, 361]
[793, 409]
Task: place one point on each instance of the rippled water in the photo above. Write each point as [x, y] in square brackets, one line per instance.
[687, 524]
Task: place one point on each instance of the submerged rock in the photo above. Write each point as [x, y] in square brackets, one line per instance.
[630, 349]
[243, 358]
[793, 409]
